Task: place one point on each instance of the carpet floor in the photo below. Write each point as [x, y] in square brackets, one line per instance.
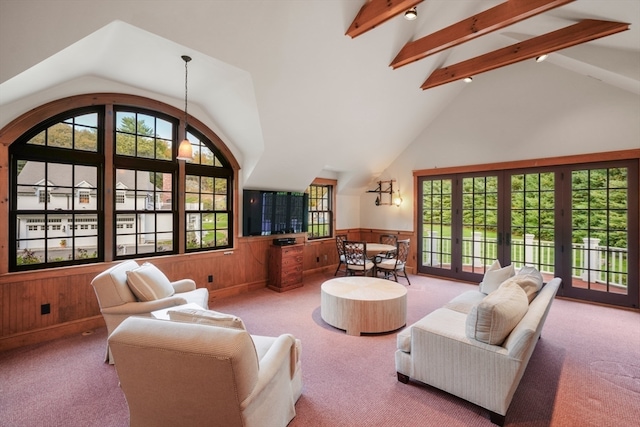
[585, 370]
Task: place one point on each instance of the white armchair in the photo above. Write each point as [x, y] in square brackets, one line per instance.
[147, 290]
[193, 374]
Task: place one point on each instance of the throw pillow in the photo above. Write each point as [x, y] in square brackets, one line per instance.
[148, 283]
[494, 277]
[530, 280]
[207, 317]
[498, 313]
[465, 301]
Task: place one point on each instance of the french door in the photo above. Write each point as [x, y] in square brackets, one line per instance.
[577, 222]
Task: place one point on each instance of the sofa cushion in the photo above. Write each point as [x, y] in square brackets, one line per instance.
[494, 277]
[207, 317]
[148, 283]
[529, 279]
[493, 319]
[464, 302]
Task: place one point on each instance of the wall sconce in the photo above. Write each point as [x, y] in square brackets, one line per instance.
[397, 200]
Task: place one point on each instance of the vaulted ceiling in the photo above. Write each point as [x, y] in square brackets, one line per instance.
[288, 86]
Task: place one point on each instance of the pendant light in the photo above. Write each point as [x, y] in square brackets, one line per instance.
[185, 150]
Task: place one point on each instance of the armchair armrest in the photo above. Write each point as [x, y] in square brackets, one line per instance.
[144, 307]
[274, 372]
[183, 285]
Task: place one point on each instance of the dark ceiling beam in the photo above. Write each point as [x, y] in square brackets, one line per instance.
[582, 32]
[375, 12]
[493, 19]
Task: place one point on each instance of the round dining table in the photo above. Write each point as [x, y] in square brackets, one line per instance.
[374, 249]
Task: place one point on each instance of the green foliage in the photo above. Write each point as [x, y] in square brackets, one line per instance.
[28, 257]
[598, 206]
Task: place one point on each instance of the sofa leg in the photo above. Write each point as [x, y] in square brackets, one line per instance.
[496, 418]
[404, 379]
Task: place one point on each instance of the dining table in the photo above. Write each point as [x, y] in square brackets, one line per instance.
[374, 249]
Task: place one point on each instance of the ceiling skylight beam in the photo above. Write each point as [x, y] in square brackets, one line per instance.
[582, 32]
[493, 19]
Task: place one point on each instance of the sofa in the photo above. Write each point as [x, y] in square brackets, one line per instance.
[478, 345]
[202, 368]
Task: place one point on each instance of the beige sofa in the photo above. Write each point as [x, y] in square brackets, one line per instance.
[456, 350]
[188, 372]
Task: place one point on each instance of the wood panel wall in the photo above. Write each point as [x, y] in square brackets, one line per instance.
[74, 307]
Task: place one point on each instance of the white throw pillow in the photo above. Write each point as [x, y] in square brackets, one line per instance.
[148, 283]
[494, 277]
[498, 313]
[207, 317]
[529, 279]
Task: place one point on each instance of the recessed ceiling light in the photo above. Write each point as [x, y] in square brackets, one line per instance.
[541, 57]
[468, 79]
[411, 14]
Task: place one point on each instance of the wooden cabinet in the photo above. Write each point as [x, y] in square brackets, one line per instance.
[285, 267]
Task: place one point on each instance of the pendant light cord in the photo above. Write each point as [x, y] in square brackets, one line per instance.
[186, 77]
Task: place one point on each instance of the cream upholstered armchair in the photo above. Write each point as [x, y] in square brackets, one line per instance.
[128, 289]
[177, 373]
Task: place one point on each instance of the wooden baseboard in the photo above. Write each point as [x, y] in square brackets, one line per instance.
[51, 333]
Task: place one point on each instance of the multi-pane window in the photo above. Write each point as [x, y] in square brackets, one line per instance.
[320, 211]
[207, 197]
[58, 196]
[150, 205]
[55, 193]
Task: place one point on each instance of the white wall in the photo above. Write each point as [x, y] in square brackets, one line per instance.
[523, 111]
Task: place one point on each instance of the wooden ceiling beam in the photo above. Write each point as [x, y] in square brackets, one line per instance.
[375, 12]
[493, 19]
[582, 32]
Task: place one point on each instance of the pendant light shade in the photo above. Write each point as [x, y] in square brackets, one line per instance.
[185, 150]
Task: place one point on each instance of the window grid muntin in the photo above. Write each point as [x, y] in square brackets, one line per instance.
[533, 202]
[56, 246]
[19, 147]
[600, 196]
[320, 211]
[150, 134]
[436, 224]
[479, 221]
[208, 197]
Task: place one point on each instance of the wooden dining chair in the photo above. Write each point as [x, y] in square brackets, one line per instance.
[355, 255]
[340, 238]
[396, 266]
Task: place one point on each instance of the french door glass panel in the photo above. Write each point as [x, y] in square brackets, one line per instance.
[436, 224]
[479, 223]
[599, 230]
[532, 217]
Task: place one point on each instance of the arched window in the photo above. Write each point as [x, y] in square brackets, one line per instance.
[102, 182]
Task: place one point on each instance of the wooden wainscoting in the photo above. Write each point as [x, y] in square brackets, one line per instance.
[73, 307]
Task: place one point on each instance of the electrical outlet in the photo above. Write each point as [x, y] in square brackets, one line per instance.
[325, 257]
[210, 278]
[45, 309]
